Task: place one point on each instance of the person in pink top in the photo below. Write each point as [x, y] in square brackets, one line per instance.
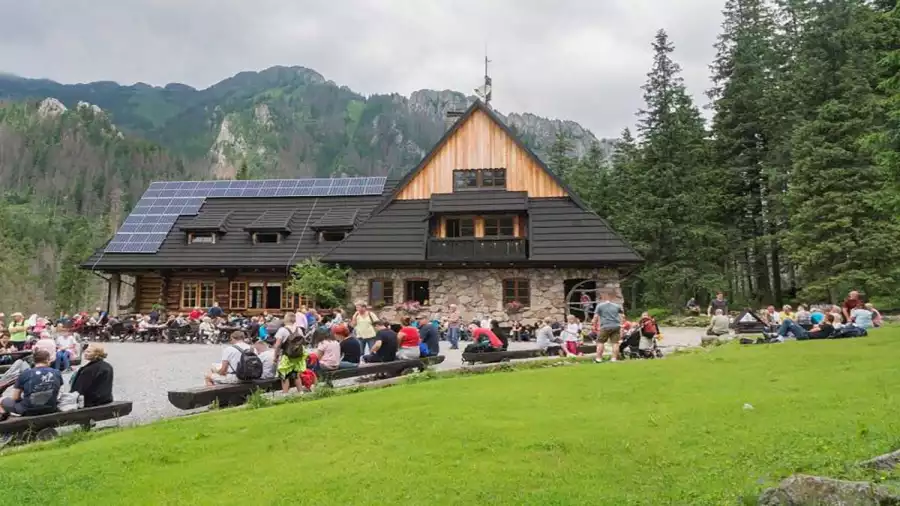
[327, 350]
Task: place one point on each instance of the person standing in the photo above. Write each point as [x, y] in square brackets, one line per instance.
[718, 303]
[363, 321]
[453, 325]
[608, 315]
[18, 331]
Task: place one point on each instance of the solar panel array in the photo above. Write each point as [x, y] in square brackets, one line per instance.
[152, 218]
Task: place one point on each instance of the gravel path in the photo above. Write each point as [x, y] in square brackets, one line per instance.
[145, 372]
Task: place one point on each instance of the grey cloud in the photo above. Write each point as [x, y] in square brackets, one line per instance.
[579, 60]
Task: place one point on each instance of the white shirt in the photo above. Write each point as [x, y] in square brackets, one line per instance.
[65, 341]
[268, 361]
[572, 331]
[233, 356]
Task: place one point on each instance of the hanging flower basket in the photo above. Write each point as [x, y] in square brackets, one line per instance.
[408, 307]
[514, 307]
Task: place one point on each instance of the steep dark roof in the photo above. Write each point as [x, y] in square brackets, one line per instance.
[207, 222]
[336, 219]
[560, 231]
[272, 220]
[484, 201]
[396, 234]
[235, 248]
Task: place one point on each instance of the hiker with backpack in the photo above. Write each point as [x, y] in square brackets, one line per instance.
[290, 354]
[239, 363]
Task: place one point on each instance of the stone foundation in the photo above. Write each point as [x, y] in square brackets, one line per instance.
[479, 292]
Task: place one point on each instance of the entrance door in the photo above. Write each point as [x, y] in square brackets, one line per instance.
[573, 303]
[256, 297]
[273, 295]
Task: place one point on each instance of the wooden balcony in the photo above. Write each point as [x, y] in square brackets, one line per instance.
[482, 249]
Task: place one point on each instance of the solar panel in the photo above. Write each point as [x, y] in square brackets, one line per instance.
[163, 202]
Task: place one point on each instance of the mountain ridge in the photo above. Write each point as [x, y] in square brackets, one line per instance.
[287, 122]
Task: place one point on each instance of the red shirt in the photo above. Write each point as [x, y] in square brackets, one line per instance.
[409, 337]
[478, 333]
[195, 314]
[648, 325]
[851, 304]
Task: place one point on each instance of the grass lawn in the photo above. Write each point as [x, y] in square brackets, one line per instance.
[645, 432]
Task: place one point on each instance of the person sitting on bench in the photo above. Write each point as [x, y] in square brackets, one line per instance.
[327, 350]
[226, 371]
[385, 346]
[6, 346]
[485, 338]
[351, 348]
[718, 324]
[35, 391]
[267, 356]
[94, 380]
[409, 340]
[545, 337]
[429, 334]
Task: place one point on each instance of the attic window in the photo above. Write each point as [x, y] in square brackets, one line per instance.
[479, 179]
[202, 238]
[266, 237]
[333, 236]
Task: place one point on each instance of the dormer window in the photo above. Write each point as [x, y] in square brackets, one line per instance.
[202, 238]
[493, 179]
[333, 236]
[266, 238]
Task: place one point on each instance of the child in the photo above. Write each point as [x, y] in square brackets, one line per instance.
[571, 333]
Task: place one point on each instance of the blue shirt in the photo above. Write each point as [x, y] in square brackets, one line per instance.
[40, 388]
[862, 318]
[816, 317]
[430, 337]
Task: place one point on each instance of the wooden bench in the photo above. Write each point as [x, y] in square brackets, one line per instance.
[236, 394]
[43, 427]
[493, 357]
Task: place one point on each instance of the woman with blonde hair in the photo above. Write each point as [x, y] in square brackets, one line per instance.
[94, 380]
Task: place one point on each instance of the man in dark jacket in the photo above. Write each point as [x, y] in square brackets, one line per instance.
[429, 335]
[94, 380]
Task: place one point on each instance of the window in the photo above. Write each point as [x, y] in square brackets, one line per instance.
[381, 292]
[197, 294]
[273, 296]
[516, 290]
[333, 236]
[266, 238]
[502, 226]
[293, 301]
[201, 238]
[238, 295]
[417, 290]
[483, 178]
[460, 227]
[256, 295]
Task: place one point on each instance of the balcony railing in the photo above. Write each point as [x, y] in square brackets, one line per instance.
[462, 249]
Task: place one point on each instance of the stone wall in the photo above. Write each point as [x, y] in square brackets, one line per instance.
[479, 292]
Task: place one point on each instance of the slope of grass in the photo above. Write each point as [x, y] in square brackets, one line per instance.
[655, 432]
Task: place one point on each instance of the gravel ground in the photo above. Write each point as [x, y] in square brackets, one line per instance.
[145, 372]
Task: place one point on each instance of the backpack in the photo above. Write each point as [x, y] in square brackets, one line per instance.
[250, 366]
[293, 345]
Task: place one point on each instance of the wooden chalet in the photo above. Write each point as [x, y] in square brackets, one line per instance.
[480, 222]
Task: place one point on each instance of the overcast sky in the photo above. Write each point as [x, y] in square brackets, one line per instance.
[580, 60]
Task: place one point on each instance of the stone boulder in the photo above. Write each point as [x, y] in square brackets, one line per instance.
[885, 462]
[803, 490]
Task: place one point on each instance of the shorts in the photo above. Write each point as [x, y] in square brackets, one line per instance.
[608, 334]
[572, 347]
[227, 379]
[12, 407]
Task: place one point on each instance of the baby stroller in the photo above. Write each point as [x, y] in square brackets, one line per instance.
[630, 346]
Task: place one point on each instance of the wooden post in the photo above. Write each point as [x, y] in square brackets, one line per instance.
[115, 283]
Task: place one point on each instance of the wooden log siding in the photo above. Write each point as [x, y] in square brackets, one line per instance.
[152, 287]
[481, 143]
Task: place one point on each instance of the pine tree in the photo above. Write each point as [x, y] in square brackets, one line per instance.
[746, 119]
[243, 173]
[560, 155]
[839, 236]
[589, 177]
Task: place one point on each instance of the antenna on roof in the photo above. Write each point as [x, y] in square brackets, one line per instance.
[484, 91]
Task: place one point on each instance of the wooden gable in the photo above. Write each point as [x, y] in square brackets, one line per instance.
[480, 141]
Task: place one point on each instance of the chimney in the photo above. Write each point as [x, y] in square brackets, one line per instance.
[450, 119]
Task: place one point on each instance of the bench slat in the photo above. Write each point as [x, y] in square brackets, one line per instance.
[19, 424]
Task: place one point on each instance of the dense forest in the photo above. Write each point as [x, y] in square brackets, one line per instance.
[791, 191]
[786, 191]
